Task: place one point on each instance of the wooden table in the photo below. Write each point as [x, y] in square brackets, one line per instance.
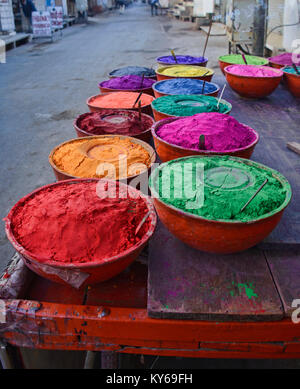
[196, 304]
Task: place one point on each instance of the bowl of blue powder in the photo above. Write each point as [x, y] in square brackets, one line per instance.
[185, 86]
[182, 60]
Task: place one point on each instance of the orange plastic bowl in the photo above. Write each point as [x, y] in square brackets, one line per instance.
[103, 90]
[161, 76]
[167, 151]
[219, 236]
[253, 87]
[160, 94]
[292, 81]
[145, 108]
[158, 115]
[145, 136]
[62, 175]
[95, 272]
[224, 64]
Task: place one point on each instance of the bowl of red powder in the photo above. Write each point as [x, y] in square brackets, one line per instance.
[223, 135]
[129, 83]
[120, 100]
[80, 232]
[253, 81]
[292, 79]
[104, 156]
[114, 122]
[284, 59]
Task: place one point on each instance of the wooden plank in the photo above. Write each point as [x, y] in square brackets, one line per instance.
[294, 146]
[184, 283]
[285, 268]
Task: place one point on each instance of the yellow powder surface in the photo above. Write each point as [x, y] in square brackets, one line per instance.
[184, 71]
[121, 100]
[110, 157]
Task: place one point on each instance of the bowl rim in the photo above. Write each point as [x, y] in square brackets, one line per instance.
[160, 62]
[75, 265]
[121, 110]
[227, 103]
[285, 183]
[140, 142]
[89, 99]
[255, 77]
[249, 55]
[179, 78]
[161, 122]
[165, 67]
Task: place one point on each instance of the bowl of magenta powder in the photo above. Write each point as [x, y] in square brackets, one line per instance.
[185, 86]
[182, 60]
[114, 122]
[253, 81]
[131, 83]
[210, 133]
[80, 232]
[204, 201]
[284, 59]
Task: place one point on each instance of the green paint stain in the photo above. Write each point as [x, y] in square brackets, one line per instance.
[248, 288]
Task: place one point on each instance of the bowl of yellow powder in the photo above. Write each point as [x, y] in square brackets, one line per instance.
[184, 71]
[105, 156]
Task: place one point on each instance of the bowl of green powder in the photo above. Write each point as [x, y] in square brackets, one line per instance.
[237, 59]
[204, 201]
[187, 105]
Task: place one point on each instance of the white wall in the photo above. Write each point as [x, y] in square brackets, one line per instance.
[7, 17]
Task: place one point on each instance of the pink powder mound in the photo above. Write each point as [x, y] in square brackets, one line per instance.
[222, 132]
[285, 59]
[254, 71]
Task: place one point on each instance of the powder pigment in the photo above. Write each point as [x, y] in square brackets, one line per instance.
[188, 105]
[120, 100]
[70, 223]
[222, 132]
[81, 157]
[253, 71]
[181, 60]
[114, 123]
[291, 70]
[286, 59]
[184, 71]
[228, 184]
[185, 86]
[133, 70]
[131, 82]
[238, 59]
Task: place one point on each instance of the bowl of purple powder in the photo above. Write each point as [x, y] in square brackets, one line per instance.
[182, 60]
[130, 83]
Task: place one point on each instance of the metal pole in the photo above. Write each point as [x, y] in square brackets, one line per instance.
[259, 27]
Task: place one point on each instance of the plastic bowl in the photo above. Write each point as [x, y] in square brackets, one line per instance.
[61, 175]
[292, 81]
[224, 64]
[145, 136]
[167, 151]
[160, 94]
[162, 63]
[145, 109]
[97, 272]
[253, 87]
[161, 76]
[158, 115]
[219, 236]
[104, 90]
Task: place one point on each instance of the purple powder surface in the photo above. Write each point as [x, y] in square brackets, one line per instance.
[222, 132]
[285, 59]
[181, 59]
[131, 82]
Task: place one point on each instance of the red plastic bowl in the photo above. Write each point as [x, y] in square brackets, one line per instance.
[95, 272]
[149, 91]
[292, 81]
[160, 94]
[253, 87]
[167, 151]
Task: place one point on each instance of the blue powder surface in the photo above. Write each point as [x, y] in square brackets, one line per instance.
[184, 86]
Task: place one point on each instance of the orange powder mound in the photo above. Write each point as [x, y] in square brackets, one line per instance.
[120, 100]
[99, 157]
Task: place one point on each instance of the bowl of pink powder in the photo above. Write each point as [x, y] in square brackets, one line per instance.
[80, 232]
[284, 59]
[114, 122]
[131, 83]
[253, 81]
[203, 134]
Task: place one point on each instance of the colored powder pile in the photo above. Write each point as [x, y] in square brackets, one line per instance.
[128, 82]
[222, 132]
[133, 70]
[291, 70]
[238, 59]
[253, 71]
[228, 185]
[70, 223]
[188, 105]
[90, 158]
[181, 59]
[185, 71]
[286, 59]
[120, 100]
[114, 122]
[185, 86]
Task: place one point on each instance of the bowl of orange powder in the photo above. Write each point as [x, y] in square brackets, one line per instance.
[120, 100]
